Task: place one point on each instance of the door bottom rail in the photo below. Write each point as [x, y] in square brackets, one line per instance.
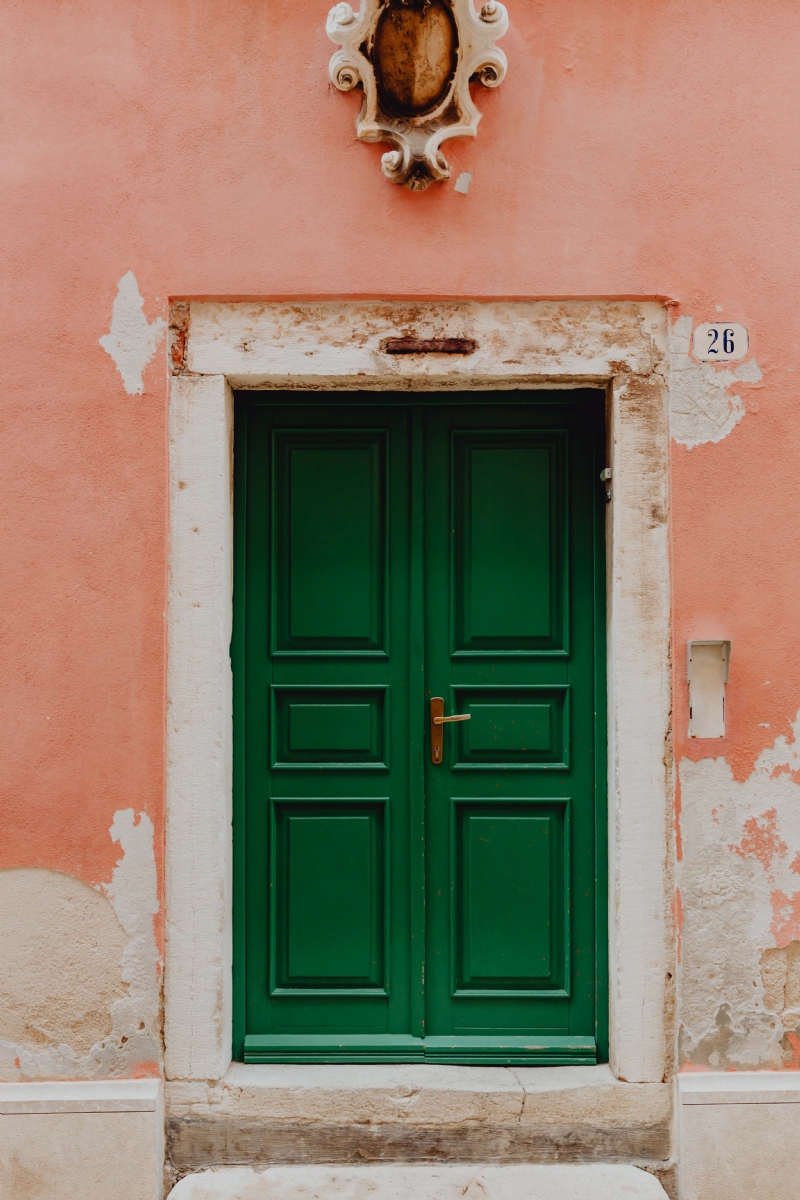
[532, 1050]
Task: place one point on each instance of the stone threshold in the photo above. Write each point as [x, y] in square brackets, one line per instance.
[256, 1116]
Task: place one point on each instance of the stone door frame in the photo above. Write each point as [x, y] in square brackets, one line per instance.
[218, 346]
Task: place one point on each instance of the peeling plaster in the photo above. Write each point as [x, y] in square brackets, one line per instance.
[134, 893]
[132, 1045]
[740, 969]
[780, 976]
[132, 341]
[61, 948]
[701, 407]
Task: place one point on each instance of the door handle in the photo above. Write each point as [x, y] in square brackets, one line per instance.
[438, 719]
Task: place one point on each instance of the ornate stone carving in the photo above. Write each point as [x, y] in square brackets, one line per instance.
[415, 60]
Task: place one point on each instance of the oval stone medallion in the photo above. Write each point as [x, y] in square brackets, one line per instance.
[415, 55]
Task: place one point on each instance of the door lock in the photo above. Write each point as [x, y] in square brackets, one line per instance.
[438, 719]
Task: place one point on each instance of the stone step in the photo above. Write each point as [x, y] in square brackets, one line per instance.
[596, 1181]
[257, 1116]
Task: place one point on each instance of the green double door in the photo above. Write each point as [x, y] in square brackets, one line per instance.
[395, 901]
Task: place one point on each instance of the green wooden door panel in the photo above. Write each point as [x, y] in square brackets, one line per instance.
[386, 908]
[329, 727]
[328, 875]
[512, 897]
[330, 540]
[508, 501]
[513, 728]
[328, 898]
[505, 883]
[509, 729]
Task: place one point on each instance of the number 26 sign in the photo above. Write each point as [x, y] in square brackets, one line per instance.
[719, 341]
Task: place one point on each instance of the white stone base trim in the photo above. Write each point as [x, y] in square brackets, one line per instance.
[423, 1182]
[740, 1087]
[81, 1096]
[739, 1133]
[88, 1140]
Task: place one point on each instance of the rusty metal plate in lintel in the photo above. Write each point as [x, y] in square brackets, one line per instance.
[411, 345]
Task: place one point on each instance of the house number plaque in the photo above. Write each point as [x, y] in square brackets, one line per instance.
[415, 60]
[720, 341]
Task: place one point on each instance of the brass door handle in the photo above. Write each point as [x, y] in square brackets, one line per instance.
[438, 719]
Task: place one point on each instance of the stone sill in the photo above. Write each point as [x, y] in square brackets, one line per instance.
[421, 1095]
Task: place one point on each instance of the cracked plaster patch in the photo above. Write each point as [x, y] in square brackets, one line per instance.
[741, 903]
[133, 340]
[701, 407]
[116, 1000]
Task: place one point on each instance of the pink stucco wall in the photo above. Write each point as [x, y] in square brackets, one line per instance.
[636, 150]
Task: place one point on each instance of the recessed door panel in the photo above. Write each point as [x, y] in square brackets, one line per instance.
[514, 728]
[334, 727]
[328, 877]
[327, 729]
[509, 511]
[511, 895]
[330, 540]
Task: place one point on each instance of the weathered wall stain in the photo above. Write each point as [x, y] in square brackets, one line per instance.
[134, 893]
[780, 977]
[61, 948]
[785, 925]
[760, 839]
[702, 409]
[740, 971]
[22, 1180]
[79, 988]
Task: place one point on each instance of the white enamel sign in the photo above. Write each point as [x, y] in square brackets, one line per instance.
[720, 341]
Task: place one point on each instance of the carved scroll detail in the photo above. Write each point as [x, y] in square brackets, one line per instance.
[414, 60]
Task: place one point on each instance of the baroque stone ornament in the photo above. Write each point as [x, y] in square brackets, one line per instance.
[415, 60]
